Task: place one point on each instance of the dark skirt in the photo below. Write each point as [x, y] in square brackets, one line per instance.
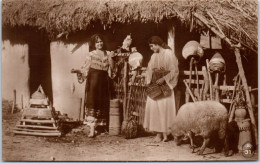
[97, 97]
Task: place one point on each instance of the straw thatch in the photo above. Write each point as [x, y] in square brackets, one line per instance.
[237, 19]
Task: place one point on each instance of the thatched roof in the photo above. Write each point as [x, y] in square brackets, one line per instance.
[237, 19]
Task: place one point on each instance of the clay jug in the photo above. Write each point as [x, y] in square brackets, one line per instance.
[240, 113]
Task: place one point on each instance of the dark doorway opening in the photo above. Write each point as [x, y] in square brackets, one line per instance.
[40, 64]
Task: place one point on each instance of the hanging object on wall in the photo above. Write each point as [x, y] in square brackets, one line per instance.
[210, 42]
[192, 49]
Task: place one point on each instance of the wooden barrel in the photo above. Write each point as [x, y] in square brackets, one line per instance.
[114, 121]
[115, 103]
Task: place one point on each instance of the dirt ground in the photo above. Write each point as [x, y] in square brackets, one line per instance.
[75, 146]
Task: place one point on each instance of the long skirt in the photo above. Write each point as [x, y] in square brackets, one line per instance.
[97, 96]
[159, 114]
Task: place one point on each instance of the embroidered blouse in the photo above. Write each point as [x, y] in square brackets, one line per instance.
[97, 61]
[164, 60]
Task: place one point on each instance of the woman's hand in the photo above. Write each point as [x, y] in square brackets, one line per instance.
[112, 54]
[160, 81]
[80, 78]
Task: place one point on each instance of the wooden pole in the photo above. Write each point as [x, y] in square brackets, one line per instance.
[206, 83]
[236, 84]
[216, 87]
[22, 101]
[125, 89]
[197, 81]
[210, 81]
[245, 86]
[80, 108]
[232, 105]
[187, 95]
[14, 102]
[193, 98]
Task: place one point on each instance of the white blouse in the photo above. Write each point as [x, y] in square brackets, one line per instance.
[166, 60]
[97, 61]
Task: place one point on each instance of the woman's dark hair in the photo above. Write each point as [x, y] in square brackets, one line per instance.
[158, 41]
[93, 40]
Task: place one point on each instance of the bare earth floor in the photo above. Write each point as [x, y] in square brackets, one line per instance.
[77, 147]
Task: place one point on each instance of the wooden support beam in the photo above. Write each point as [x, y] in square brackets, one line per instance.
[37, 121]
[192, 73]
[125, 86]
[194, 81]
[14, 102]
[37, 126]
[189, 91]
[206, 83]
[245, 86]
[37, 133]
[214, 30]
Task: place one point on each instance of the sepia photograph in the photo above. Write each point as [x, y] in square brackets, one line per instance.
[129, 80]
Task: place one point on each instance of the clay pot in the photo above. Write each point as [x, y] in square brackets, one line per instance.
[240, 113]
[244, 132]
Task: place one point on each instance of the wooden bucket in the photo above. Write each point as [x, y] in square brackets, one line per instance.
[114, 119]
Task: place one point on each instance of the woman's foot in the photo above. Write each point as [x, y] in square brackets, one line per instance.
[165, 137]
[158, 138]
[91, 132]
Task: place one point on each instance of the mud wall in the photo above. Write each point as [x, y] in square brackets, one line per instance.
[15, 72]
[67, 92]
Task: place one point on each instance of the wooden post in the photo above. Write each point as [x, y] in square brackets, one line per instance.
[22, 101]
[232, 105]
[216, 87]
[245, 86]
[188, 88]
[206, 83]
[125, 89]
[237, 81]
[210, 81]
[80, 108]
[197, 81]
[14, 102]
[187, 94]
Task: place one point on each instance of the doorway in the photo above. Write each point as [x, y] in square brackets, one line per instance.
[40, 64]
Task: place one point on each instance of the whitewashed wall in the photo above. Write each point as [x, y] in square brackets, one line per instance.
[171, 43]
[66, 89]
[15, 72]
